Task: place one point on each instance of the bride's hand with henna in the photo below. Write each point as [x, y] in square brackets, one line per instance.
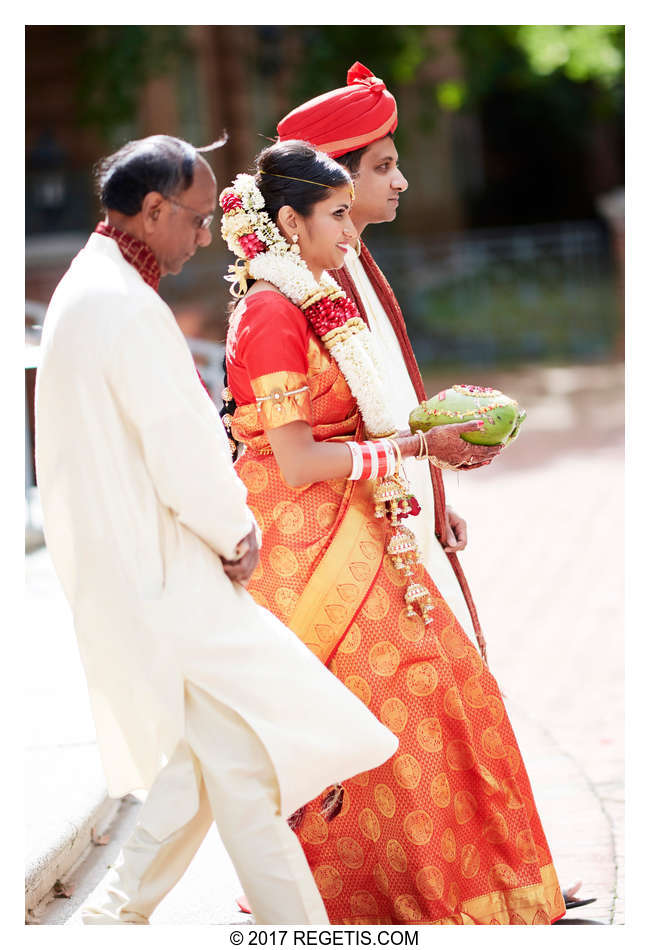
[447, 450]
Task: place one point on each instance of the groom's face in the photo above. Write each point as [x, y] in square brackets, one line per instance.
[377, 185]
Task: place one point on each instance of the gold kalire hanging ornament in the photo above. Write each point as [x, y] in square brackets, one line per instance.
[392, 499]
[403, 550]
[418, 594]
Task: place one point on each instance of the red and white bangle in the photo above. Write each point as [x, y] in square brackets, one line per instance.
[372, 459]
[357, 461]
[393, 462]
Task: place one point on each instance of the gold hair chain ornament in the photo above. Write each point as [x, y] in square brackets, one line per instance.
[308, 181]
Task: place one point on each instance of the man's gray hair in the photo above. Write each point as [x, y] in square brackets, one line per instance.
[159, 163]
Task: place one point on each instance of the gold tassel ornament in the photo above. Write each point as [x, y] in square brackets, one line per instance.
[391, 497]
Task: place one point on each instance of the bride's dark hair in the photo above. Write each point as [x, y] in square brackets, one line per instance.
[291, 173]
[296, 174]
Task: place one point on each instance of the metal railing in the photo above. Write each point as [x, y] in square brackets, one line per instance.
[34, 314]
[208, 357]
[544, 291]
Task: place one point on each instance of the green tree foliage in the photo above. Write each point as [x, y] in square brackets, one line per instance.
[566, 65]
[549, 100]
[114, 64]
[582, 53]
[393, 52]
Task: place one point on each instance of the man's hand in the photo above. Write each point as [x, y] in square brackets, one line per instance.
[448, 450]
[248, 554]
[456, 528]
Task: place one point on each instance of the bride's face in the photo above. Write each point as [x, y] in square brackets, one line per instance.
[327, 231]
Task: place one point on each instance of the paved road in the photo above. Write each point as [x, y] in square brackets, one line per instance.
[550, 596]
[545, 567]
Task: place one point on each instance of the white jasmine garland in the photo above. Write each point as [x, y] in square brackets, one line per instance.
[288, 272]
[365, 382]
[371, 349]
[251, 196]
[266, 231]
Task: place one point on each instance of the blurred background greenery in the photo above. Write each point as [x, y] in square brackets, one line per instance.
[509, 243]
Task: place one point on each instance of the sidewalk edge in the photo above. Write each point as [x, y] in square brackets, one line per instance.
[42, 875]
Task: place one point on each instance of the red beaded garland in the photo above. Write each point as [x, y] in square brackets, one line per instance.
[326, 314]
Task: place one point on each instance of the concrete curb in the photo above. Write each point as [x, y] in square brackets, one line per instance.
[57, 860]
[64, 786]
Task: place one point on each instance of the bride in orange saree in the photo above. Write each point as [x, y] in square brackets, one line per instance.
[447, 831]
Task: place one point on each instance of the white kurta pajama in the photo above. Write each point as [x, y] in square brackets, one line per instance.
[140, 503]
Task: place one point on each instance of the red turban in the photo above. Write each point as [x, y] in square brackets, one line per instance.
[345, 119]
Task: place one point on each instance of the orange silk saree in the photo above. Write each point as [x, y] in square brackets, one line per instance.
[446, 832]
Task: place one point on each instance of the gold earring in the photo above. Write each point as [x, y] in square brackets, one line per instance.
[295, 247]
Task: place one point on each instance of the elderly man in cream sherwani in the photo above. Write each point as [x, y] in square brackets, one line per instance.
[148, 528]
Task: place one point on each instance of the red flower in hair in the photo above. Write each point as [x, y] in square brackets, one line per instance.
[230, 201]
[251, 246]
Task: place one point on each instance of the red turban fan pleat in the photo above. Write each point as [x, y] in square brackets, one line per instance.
[344, 119]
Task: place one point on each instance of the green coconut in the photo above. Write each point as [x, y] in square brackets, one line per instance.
[501, 414]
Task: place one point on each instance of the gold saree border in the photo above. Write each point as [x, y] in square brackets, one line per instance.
[342, 579]
[524, 903]
[282, 397]
[533, 904]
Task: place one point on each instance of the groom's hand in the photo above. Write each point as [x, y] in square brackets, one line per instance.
[240, 569]
[456, 531]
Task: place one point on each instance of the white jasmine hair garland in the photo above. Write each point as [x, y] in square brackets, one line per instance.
[263, 254]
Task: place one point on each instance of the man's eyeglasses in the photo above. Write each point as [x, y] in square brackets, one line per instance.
[201, 220]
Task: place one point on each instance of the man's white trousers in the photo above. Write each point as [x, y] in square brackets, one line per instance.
[239, 791]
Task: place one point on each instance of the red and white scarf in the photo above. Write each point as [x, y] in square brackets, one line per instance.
[135, 252]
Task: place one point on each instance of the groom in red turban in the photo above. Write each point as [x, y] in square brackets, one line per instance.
[355, 125]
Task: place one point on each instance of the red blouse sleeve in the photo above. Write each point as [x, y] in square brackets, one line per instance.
[266, 358]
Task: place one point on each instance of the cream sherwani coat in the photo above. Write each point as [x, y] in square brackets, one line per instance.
[140, 502]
